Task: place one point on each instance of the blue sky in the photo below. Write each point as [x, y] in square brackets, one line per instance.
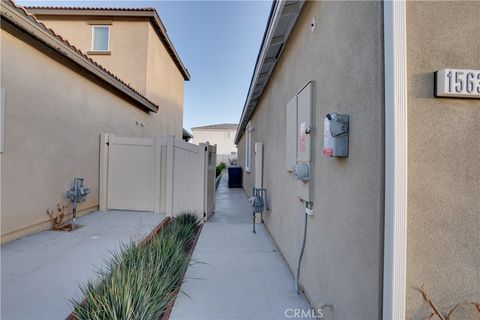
[218, 42]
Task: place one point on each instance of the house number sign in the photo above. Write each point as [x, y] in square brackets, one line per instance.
[457, 83]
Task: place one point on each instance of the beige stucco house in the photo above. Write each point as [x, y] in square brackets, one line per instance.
[132, 43]
[68, 75]
[402, 208]
[223, 135]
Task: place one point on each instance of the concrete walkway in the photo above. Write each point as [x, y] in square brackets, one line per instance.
[236, 274]
[41, 272]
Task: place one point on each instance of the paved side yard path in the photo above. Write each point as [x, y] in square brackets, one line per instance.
[238, 274]
[41, 272]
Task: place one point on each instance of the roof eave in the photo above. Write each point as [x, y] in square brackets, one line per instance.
[274, 41]
[185, 133]
[171, 47]
[217, 127]
[14, 16]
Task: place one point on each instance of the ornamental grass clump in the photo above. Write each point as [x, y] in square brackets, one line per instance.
[220, 168]
[140, 279]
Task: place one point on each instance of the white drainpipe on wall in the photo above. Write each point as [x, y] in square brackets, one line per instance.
[395, 243]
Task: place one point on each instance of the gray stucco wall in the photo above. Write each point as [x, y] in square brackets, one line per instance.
[343, 260]
[444, 160]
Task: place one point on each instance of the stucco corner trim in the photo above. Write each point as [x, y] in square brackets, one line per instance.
[395, 242]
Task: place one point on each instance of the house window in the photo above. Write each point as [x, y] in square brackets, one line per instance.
[248, 147]
[100, 38]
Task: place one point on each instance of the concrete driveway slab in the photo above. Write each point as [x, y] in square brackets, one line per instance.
[41, 272]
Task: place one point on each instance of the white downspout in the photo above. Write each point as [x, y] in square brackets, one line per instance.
[395, 241]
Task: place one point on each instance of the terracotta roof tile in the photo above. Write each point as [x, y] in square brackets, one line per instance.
[90, 8]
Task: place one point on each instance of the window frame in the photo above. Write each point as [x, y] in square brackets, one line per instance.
[93, 37]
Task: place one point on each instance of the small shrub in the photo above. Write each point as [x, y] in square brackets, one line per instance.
[435, 311]
[139, 279]
[220, 168]
[57, 217]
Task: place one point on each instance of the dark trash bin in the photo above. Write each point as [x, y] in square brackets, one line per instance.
[234, 177]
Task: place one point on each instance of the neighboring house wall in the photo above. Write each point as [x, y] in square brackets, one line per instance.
[137, 56]
[53, 117]
[128, 45]
[343, 259]
[444, 160]
[165, 85]
[224, 139]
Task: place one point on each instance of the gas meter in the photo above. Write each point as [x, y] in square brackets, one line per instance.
[335, 135]
[257, 204]
[258, 200]
[77, 193]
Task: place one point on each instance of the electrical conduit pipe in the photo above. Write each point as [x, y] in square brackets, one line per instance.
[304, 240]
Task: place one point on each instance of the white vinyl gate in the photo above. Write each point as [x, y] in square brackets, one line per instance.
[156, 174]
[131, 174]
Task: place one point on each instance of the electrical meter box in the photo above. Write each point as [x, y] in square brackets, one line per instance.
[335, 135]
[304, 123]
[291, 135]
[304, 153]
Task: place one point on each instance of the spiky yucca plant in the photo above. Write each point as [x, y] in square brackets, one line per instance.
[138, 281]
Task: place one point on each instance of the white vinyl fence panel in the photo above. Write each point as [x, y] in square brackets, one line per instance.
[185, 183]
